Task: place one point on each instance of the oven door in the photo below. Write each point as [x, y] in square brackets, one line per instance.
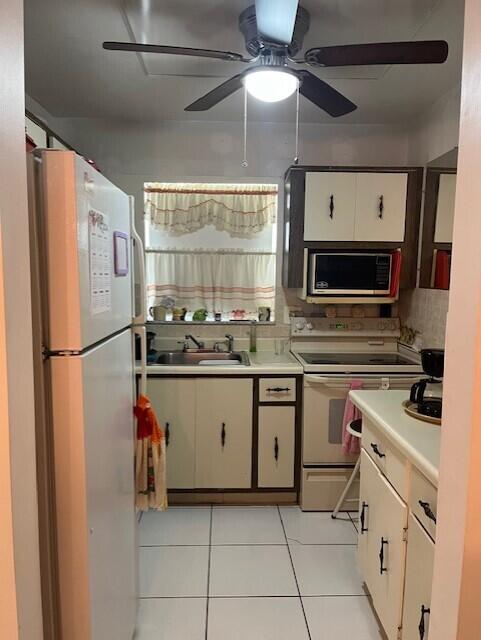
[324, 401]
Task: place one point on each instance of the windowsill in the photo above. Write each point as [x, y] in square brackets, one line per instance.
[210, 323]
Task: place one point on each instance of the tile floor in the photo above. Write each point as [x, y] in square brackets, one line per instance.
[251, 573]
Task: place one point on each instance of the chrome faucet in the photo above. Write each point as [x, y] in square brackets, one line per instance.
[198, 343]
[230, 342]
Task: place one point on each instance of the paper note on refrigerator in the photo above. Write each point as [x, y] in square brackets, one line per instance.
[100, 260]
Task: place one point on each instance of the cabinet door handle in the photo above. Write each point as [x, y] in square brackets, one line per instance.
[381, 207]
[382, 568]
[167, 434]
[375, 448]
[331, 206]
[422, 624]
[427, 510]
[276, 449]
[222, 435]
[362, 518]
[277, 389]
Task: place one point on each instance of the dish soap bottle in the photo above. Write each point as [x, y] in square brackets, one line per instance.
[253, 338]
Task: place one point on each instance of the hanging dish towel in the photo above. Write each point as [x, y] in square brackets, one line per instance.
[350, 444]
[150, 459]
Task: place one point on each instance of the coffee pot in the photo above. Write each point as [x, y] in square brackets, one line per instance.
[428, 393]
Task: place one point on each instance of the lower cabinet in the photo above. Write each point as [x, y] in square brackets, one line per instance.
[419, 576]
[223, 453]
[277, 427]
[208, 424]
[395, 548]
[382, 547]
[174, 404]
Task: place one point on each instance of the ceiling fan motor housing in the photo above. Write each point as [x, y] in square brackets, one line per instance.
[255, 43]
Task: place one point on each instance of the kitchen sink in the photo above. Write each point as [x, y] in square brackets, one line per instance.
[203, 357]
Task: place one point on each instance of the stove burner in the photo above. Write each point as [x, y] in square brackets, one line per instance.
[384, 359]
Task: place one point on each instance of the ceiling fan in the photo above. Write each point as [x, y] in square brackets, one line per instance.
[274, 32]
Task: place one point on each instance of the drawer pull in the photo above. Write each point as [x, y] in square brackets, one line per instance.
[362, 518]
[375, 448]
[276, 449]
[427, 510]
[222, 435]
[382, 568]
[331, 207]
[381, 207]
[277, 389]
[167, 434]
[422, 625]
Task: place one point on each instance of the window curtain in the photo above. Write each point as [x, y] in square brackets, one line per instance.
[219, 282]
[242, 210]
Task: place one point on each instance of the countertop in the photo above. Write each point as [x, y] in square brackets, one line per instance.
[262, 362]
[419, 441]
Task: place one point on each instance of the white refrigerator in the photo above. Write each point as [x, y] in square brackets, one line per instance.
[83, 312]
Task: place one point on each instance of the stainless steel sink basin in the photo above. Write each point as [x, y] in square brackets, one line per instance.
[211, 358]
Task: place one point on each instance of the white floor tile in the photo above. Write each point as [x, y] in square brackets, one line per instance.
[251, 571]
[328, 570]
[247, 525]
[341, 618]
[173, 571]
[176, 526]
[172, 619]
[256, 619]
[317, 528]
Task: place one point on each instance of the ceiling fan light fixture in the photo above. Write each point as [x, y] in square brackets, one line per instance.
[271, 85]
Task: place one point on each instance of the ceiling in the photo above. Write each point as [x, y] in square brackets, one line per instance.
[70, 75]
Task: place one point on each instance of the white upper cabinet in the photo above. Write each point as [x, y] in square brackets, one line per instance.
[380, 207]
[445, 210]
[360, 207]
[330, 206]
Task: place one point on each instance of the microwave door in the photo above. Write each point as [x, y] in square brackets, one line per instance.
[349, 274]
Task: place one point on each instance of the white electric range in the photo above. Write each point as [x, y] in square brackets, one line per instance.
[335, 352]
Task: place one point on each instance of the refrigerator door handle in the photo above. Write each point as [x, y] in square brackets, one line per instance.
[142, 333]
[142, 317]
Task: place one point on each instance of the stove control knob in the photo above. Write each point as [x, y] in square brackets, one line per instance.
[309, 326]
[300, 326]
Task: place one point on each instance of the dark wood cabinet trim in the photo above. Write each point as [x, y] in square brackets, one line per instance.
[294, 202]
[429, 225]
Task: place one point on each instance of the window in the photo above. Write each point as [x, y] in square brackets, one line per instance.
[211, 251]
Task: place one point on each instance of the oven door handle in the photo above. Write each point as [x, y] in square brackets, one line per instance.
[378, 381]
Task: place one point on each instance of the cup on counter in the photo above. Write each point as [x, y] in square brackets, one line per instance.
[158, 313]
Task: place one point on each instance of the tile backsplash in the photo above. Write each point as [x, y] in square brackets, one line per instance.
[425, 311]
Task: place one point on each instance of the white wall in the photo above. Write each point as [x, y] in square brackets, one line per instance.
[20, 603]
[432, 135]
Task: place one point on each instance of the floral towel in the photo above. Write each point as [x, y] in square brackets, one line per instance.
[150, 459]
[350, 444]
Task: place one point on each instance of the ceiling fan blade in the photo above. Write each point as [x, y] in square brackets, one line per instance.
[276, 19]
[176, 51]
[323, 95]
[218, 94]
[421, 52]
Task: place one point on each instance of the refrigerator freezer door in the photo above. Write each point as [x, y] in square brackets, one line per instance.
[93, 432]
[86, 240]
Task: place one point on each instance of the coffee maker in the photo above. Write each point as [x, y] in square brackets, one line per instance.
[427, 394]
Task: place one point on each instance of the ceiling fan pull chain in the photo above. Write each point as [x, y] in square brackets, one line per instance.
[244, 162]
[296, 157]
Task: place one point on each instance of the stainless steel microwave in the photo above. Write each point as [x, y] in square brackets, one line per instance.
[349, 274]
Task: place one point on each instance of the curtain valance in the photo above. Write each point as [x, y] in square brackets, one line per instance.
[241, 210]
[218, 282]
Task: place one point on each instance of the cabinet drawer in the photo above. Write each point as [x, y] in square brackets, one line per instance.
[391, 463]
[423, 501]
[276, 446]
[277, 390]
